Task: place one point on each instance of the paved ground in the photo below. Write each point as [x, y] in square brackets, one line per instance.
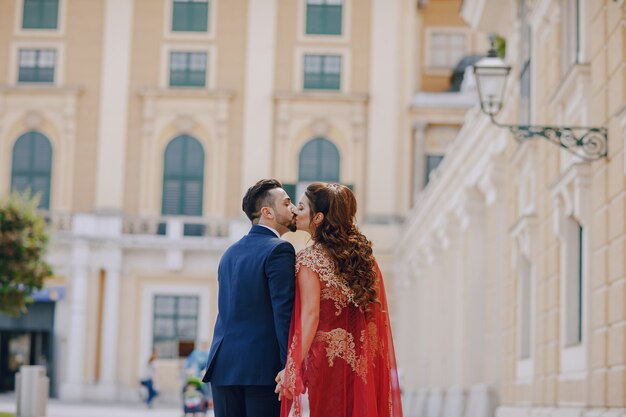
[65, 409]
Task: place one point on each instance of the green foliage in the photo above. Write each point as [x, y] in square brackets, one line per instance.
[500, 44]
[23, 242]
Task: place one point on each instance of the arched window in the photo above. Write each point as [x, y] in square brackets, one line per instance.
[319, 161]
[32, 166]
[183, 177]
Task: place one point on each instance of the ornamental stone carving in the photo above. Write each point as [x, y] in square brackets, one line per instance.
[185, 123]
[33, 120]
[320, 127]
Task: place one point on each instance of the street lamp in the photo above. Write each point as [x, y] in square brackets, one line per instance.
[491, 73]
[588, 143]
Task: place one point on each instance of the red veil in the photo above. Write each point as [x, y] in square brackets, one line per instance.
[350, 369]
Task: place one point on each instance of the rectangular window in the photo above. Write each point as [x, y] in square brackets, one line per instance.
[432, 162]
[36, 65]
[569, 35]
[446, 49]
[188, 69]
[580, 284]
[573, 302]
[525, 301]
[190, 16]
[175, 324]
[322, 72]
[40, 14]
[524, 105]
[323, 17]
[525, 73]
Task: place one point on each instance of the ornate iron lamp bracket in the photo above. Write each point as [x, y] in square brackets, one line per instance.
[588, 143]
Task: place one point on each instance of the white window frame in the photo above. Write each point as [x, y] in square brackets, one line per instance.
[39, 33]
[573, 356]
[524, 249]
[147, 315]
[59, 66]
[525, 364]
[346, 26]
[346, 68]
[566, 54]
[570, 263]
[209, 35]
[446, 30]
[572, 197]
[210, 76]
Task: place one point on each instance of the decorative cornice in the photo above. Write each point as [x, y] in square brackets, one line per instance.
[321, 96]
[470, 210]
[571, 195]
[186, 93]
[40, 89]
[522, 233]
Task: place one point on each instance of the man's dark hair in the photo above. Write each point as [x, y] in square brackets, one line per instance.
[257, 197]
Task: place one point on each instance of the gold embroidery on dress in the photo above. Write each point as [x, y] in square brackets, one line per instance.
[335, 294]
[340, 344]
[370, 341]
[289, 381]
[336, 289]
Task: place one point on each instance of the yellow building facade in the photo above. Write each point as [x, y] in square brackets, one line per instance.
[511, 266]
[142, 122]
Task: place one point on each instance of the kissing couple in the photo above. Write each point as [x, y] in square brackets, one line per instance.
[312, 325]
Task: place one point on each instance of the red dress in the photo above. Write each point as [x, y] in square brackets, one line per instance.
[350, 369]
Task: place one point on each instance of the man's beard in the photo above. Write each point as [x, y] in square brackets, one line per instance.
[290, 224]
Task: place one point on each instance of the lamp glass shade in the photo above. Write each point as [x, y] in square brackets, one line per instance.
[491, 74]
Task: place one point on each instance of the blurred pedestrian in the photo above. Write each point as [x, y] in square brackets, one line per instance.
[195, 366]
[148, 379]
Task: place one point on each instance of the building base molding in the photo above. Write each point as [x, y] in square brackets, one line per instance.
[102, 392]
[434, 404]
[455, 402]
[529, 411]
[72, 391]
[482, 401]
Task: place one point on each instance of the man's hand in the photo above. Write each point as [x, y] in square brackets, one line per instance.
[279, 384]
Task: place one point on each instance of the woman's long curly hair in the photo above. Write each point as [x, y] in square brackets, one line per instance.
[338, 234]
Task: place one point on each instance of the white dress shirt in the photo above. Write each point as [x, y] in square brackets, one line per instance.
[272, 229]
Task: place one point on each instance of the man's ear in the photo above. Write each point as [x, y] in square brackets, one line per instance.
[267, 212]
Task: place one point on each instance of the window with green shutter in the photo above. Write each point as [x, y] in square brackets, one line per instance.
[290, 189]
[432, 162]
[40, 14]
[31, 167]
[569, 47]
[188, 69]
[525, 73]
[190, 16]
[323, 17]
[322, 72]
[319, 161]
[183, 181]
[36, 65]
[573, 255]
[175, 321]
[581, 254]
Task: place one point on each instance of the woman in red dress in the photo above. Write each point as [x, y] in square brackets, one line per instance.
[341, 352]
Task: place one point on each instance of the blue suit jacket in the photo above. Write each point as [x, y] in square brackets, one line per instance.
[256, 278]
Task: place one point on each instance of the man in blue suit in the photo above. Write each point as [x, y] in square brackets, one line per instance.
[256, 279]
